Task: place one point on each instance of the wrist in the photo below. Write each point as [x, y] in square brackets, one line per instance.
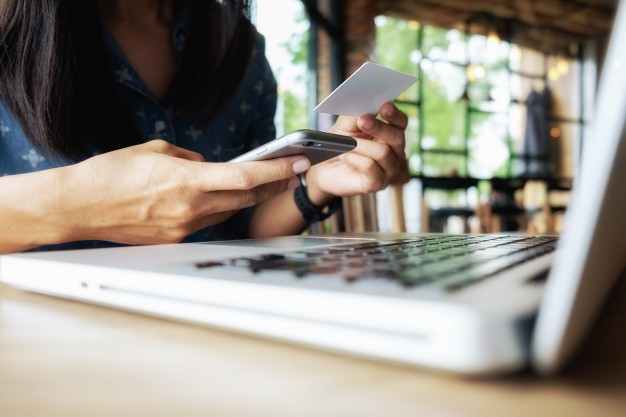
[31, 209]
[311, 212]
[64, 213]
[317, 196]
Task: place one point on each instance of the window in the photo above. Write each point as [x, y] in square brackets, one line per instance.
[468, 113]
[286, 31]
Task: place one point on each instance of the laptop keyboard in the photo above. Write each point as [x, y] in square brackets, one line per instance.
[448, 262]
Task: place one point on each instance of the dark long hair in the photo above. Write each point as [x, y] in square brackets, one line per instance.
[55, 80]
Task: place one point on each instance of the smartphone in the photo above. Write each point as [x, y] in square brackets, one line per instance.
[315, 145]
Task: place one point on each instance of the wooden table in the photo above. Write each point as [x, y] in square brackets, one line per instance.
[64, 358]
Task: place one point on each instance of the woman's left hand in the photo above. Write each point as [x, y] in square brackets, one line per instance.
[378, 159]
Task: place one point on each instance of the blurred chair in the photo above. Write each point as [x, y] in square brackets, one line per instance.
[435, 217]
[504, 211]
[558, 194]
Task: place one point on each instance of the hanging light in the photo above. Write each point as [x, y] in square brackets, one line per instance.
[414, 25]
[553, 74]
[493, 39]
[493, 36]
[555, 132]
[562, 66]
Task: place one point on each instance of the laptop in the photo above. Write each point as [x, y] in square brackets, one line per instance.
[469, 304]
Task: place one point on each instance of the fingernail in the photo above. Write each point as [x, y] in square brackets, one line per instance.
[388, 110]
[294, 182]
[301, 165]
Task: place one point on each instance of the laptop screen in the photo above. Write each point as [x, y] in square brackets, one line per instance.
[593, 248]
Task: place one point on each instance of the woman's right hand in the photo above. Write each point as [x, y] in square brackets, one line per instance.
[159, 193]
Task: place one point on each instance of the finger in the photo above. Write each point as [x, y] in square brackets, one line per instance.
[222, 201]
[394, 116]
[161, 146]
[382, 153]
[384, 133]
[373, 176]
[381, 131]
[346, 125]
[361, 127]
[248, 175]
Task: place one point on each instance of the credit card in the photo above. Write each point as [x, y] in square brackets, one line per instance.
[365, 91]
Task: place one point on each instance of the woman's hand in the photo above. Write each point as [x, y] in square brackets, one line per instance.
[378, 159]
[156, 193]
[159, 193]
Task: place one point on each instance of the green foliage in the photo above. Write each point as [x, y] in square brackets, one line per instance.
[395, 41]
[295, 107]
[425, 52]
[439, 117]
[298, 45]
[295, 112]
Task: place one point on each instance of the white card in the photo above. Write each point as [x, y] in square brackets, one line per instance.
[365, 91]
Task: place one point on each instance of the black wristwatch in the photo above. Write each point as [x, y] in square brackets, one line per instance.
[309, 211]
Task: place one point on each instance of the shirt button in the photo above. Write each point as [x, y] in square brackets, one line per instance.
[159, 126]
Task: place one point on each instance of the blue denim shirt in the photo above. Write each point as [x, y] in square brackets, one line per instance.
[244, 122]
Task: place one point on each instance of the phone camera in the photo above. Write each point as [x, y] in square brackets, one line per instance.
[308, 144]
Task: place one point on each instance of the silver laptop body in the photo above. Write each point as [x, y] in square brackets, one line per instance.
[339, 294]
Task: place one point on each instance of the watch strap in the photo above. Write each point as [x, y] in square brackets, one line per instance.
[310, 212]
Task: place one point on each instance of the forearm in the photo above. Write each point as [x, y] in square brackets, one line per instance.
[31, 211]
[277, 216]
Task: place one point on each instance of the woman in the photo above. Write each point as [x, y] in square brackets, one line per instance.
[117, 116]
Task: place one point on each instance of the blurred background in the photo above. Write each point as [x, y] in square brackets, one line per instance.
[498, 119]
